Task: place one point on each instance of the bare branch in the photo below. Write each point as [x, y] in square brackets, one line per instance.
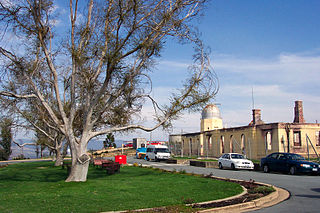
[25, 144]
[12, 95]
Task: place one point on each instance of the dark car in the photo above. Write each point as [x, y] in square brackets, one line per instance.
[288, 162]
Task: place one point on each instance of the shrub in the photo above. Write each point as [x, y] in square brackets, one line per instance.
[262, 190]
[182, 171]
[19, 157]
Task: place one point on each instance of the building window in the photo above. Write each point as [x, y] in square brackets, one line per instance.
[269, 140]
[182, 147]
[190, 146]
[296, 138]
[209, 143]
[243, 149]
[222, 144]
[317, 138]
[231, 143]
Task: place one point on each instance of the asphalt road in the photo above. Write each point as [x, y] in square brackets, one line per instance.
[304, 189]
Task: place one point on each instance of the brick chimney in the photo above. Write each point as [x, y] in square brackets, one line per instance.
[298, 112]
[256, 114]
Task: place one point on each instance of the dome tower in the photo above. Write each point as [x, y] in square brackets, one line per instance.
[211, 118]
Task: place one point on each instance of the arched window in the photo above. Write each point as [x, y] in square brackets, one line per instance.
[209, 143]
[243, 144]
[231, 144]
[269, 140]
[182, 148]
[222, 144]
[190, 147]
[198, 147]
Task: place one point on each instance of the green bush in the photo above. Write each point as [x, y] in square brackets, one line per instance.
[262, 190]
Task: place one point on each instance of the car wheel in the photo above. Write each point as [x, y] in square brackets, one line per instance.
[220, 166]
[233, 167]
[156, 159]
[148, 158]
[266, 169]
[292, 170]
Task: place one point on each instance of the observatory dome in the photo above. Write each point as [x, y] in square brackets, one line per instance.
[210, 111]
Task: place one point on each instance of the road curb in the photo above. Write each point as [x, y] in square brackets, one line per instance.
[273, 198]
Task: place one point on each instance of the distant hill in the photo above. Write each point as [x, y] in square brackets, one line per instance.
[30, 151]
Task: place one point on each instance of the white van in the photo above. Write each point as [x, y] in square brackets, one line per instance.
[157, 152]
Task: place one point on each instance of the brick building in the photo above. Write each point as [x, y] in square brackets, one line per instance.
[255, 140]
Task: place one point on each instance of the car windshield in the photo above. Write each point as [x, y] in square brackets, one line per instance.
[237, 156]
[296, 157]
[164, 150]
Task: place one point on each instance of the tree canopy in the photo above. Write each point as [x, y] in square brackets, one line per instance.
[93, 78]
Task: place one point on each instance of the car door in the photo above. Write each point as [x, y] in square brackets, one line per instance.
[223, 160]
[228, 161]
[282, 163]
[272, 162]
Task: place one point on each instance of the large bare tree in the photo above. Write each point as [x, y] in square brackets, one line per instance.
[93, 78]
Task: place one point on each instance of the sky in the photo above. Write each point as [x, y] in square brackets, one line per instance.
[268, 48]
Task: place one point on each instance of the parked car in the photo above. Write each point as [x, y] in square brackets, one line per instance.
[288, 162]
[157, 152]
[130, 144]
[235, 161]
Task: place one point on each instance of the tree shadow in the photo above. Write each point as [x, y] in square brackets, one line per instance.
[47, 172]
[38, 172]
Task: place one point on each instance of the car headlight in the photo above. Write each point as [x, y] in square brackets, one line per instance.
[319, 166]
[305, 165]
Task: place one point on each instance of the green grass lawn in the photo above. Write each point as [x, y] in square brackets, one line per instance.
[40, 187]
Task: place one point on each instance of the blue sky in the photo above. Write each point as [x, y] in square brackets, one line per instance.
[272, 46]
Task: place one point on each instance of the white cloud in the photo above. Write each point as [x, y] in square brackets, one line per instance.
[285, 68]
[55, 22]
[175, 64]
[276, 85]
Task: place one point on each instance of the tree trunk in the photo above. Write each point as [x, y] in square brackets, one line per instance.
[78, 172]
[59, 158]
[80, 162]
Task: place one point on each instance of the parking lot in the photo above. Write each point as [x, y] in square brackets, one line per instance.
[304, 189]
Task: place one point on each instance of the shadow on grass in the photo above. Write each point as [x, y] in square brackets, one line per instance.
[47, 172]
[38, 172]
